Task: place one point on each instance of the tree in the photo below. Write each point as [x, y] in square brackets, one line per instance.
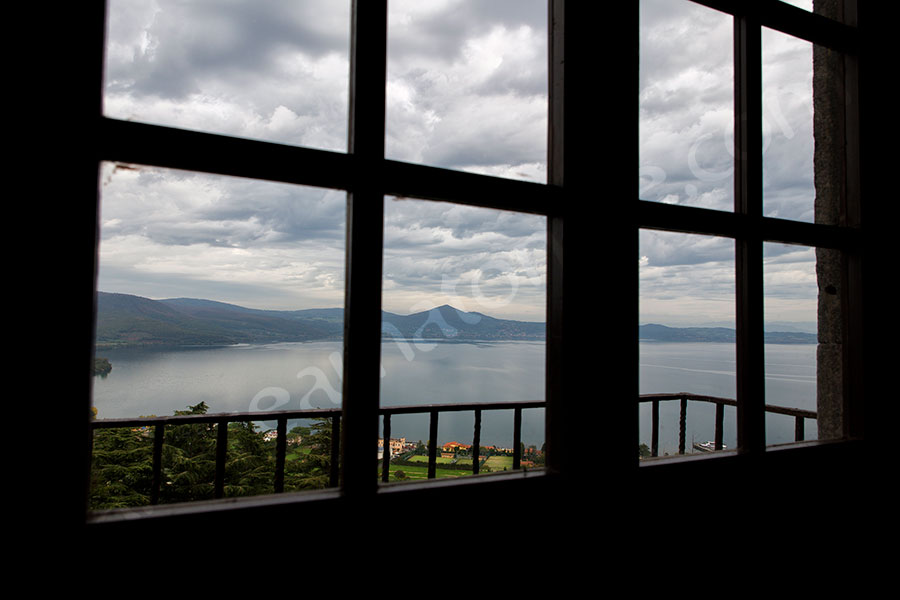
[121, 468]
[249, 467]
[189, 459]
[312, 469]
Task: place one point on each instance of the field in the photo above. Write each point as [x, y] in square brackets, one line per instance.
[415, 472]
[499, 463]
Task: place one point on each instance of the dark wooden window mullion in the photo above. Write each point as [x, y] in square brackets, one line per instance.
[432, 444]
[386, 449]
[577, 142]
[792, 20]
[476, 442]
[748, 243]
[365, 215]
[221, 457]
[517, 439]
[854, 299]
[159, 433]
[280, 454]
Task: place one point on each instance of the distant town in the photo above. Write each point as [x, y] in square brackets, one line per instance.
[457, 455]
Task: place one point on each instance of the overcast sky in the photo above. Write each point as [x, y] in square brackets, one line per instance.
[466, 89]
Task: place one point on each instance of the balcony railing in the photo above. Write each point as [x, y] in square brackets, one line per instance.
[435, 409]
[799, 415]
[221, 420]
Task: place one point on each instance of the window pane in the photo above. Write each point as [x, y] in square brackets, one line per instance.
[788, 185]
[686, 105]
[687, 343]
[276, 71]
[804, 4]
[218, 295]
[464, 295]
[467, 86]
[791, 341]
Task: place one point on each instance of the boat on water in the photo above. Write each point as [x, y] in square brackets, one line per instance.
[708, 446]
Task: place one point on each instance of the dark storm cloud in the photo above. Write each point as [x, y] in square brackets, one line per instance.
[179, 44]
[181, 208]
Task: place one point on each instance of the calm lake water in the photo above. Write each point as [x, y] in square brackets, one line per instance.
[308, 375]
[709, 368]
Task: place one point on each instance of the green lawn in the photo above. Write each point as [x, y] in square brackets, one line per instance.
[439, 460]
[416, 472]
[498, 463]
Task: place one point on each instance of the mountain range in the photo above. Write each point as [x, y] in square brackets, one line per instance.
[661, 333]
[127, 320]
[124, 319]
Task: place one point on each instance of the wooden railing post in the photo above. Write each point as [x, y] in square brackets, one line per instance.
[720, 423]
[682, 425]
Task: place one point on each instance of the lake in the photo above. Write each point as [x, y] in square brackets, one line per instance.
[295, 376]
[709, 369]
[308, 375]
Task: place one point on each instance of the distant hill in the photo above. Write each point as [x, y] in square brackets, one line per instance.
[448, 322]
[661, 333]
[127, 320]
[124, 319]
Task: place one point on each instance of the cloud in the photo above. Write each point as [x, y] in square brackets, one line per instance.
[467, 86]
[473, 258]
[466, 89]
[686, 105]
[265, 70]
[191, 234]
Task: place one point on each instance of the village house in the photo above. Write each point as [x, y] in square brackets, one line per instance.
[397, 446]
[454, 447]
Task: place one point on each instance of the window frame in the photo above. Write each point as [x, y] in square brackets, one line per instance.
[570, 200]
